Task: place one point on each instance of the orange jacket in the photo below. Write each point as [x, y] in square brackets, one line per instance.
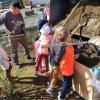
[67, 62]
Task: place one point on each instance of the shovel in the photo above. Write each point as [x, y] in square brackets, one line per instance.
[81, 24]
[73, 10]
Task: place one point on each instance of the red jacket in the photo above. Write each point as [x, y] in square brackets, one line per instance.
[67, 62]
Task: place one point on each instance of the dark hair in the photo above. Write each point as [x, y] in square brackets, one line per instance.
[16, 4]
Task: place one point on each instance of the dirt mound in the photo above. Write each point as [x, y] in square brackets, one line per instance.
[88, 56]
[89, 12]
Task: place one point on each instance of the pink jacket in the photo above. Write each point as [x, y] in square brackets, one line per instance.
[44, 40]
[36, 45]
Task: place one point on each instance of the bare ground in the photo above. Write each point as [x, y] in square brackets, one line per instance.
[30, 87]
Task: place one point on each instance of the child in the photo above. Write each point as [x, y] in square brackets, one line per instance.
[61, 59]
[5, 64]
[31, 5]
[96, 82]
[47, 11]
[42, 18]
[46, 35]
[55, 56]
[66, 64]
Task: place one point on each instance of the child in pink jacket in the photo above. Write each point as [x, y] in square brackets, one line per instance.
[45, 37]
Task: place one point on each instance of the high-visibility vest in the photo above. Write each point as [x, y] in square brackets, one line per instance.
[67, 62]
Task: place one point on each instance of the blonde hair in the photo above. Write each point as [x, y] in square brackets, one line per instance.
[61, 33]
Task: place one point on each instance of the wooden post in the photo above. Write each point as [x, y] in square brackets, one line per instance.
[82, 80]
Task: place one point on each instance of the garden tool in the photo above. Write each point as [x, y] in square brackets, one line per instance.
[64, 44]
[71, 13]
[7, 35]
[93, 41]
[73, 10]
[83, 22]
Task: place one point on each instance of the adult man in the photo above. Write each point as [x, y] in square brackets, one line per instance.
[14, 23]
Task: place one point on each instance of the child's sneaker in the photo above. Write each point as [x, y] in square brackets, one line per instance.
[59, 94]
[51, 91]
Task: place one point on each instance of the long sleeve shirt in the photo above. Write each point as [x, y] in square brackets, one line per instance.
[13, 23]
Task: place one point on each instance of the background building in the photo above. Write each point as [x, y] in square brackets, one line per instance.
[38, 2]
[6, 3]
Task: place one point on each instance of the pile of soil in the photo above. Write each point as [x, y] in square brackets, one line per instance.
[90, 11]
[88, 56]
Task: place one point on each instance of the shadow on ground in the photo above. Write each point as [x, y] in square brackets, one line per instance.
[35, 89]
[40, 80]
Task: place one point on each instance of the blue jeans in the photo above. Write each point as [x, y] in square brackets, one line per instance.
[67, 84]
[41, 23]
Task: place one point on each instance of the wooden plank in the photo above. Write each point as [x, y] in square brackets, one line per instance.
[82, 81]
[83, 70]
